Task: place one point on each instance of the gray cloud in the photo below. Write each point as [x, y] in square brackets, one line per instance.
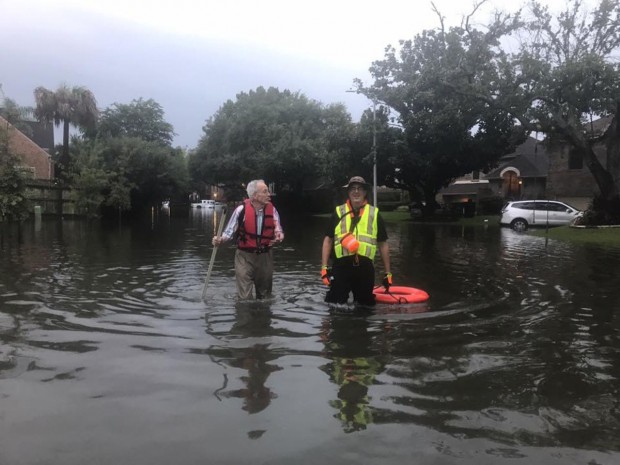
[190, 77]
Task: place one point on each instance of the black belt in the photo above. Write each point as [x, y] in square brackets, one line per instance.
[256, 250]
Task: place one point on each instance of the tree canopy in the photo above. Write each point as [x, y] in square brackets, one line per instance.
[13, 201]
[562, 76]
[446, 134]
[140, 118]
[127, 163]
[278, 135]
[68, 106]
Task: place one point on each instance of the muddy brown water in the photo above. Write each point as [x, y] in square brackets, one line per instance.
[109, 355]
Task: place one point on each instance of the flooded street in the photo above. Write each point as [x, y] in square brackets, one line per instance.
[108, 355]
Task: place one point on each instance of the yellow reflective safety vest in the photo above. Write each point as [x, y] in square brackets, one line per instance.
[365, 231]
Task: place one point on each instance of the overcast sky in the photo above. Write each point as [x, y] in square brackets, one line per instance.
[193, 55]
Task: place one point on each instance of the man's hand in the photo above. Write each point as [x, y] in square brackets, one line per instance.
[387, 281]
[217, 240]
[327, 276]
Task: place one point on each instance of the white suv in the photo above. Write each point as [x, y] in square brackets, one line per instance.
[525, 213]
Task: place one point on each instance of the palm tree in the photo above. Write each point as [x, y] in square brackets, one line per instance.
[75, 106]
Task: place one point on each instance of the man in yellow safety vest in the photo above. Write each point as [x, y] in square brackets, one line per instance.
[355, 234]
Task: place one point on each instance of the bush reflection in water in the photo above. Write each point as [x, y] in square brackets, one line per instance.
[106, 351]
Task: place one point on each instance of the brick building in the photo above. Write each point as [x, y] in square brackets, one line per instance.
[569, 179]
[35, 159]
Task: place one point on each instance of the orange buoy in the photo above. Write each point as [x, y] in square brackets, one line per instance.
[350, 243]
[400, 295]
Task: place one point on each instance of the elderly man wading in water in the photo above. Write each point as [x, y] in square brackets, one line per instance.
[255, 226]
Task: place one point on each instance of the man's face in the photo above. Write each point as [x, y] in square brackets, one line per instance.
[357, 193]
[262, 195]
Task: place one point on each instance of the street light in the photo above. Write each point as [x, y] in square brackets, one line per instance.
[374, 152]
[374, 148]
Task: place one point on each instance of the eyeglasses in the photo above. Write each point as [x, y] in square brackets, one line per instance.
[357, 188]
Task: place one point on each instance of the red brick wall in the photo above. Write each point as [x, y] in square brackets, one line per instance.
[33, 156]
[565, 182]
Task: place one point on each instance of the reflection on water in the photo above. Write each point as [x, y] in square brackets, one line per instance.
[107, 350]
[353, 367]
[252, 320]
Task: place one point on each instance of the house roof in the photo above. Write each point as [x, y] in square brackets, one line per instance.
[599, 126]
[31, 154]
[41, 134]
[530, 159]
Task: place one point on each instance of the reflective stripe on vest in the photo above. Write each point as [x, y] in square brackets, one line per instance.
[365, 231]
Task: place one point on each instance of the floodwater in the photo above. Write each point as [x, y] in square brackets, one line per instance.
[108, 355]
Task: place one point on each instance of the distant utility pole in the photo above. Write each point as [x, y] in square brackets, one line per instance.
[374, 148]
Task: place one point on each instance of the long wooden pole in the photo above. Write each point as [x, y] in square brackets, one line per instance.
[219, 233]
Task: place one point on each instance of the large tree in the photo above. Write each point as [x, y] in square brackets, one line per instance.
[278, 135]
[16, 114]
[446, 134]
[125, 173]
[563, 75]
[127, 162]
[69, 106]
[359, 145]
[140, 118]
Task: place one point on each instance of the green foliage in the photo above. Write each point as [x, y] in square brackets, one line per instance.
[14, 205]
[143, 119]
[562, 75]
[606, 237]
[75, 106]
[355, 154]
[490, 205]
[15, 114]
[155, 172]
[446, 133]
[126, 173]
[277, 135]
[572, 77]
[458, 92]
[90, 180]
[567, 66]
[602, 211]
[128, 162]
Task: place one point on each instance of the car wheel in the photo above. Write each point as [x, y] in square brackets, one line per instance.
[519, 224]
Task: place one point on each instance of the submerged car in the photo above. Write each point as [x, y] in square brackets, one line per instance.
[523, 214]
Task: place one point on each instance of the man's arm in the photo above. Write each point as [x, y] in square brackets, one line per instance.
[326, 251]
[382, 245]
[384, 251]
[278, 231]
[231, 228]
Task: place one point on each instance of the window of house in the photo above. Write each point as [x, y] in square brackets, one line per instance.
[575, 160]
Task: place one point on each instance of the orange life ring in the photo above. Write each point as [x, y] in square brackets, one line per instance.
[400, 295]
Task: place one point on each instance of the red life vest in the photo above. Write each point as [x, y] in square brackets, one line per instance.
[249, 240]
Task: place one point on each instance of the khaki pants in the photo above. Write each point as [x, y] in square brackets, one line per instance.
[254, 270]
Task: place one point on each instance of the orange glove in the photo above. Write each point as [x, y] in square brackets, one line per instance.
[326, 276]
[387, 281]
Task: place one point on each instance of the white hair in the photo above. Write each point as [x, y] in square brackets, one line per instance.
[252, 186]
